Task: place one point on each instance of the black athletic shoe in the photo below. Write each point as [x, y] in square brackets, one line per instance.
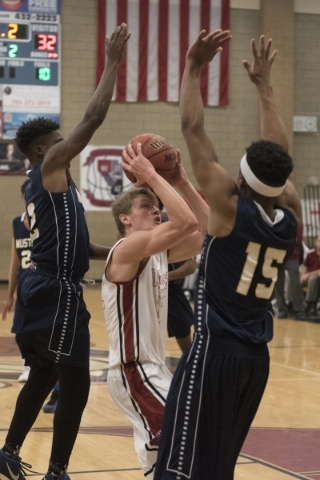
[13, 468]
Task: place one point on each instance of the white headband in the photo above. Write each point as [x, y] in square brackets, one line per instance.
[255, 183]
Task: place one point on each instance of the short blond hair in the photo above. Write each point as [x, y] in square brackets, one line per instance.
[123, 203]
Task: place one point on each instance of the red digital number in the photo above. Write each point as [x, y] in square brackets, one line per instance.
[51, 42]
[46, 42]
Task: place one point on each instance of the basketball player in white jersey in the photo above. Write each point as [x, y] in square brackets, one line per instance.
[135, 294]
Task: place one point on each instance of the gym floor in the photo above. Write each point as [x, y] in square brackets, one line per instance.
[283, 442]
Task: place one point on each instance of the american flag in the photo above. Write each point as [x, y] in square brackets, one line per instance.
[161, 32]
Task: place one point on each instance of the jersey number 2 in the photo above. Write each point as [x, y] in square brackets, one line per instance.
[25, 258]
[269, 272]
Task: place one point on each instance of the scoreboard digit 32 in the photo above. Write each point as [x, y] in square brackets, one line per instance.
[29, 62]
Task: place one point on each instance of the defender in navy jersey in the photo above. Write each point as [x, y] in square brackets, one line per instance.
[55, 334]
[20, 260]
[252, 230]
[22, 245]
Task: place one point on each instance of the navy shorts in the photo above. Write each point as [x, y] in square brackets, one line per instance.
[55, 320]
[180, 314]
[213, 398]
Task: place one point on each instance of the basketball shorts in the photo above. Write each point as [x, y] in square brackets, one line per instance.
[55, 321]
[180, 313]
[140, 391]
[213, 398]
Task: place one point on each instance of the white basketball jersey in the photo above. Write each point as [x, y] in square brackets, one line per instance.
[136, 313]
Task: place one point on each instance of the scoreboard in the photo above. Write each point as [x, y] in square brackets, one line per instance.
[29, 51]
[29, 63]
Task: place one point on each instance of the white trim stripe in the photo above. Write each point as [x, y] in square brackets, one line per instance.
[173, 52]
[153, 46]
[133, 52]
[214, 66]
[111, 24]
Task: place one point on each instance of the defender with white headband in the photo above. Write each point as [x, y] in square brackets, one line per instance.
[255, 183]
[251, 233]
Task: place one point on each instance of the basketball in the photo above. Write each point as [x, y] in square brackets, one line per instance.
[158, 151]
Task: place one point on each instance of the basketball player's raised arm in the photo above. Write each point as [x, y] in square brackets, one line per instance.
[217, 185]
[199, 207]
[271, 121]
[192, 244]
[59, 155]
[272, 124]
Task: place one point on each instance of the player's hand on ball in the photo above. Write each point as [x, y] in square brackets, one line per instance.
[161, 154]
[179, 176]
[137, 164]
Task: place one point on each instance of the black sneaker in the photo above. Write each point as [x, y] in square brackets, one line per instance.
[13, 468]
[51, 406]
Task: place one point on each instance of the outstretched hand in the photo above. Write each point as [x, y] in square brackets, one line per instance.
[116, 44]
[179, 176]
[207, 46]
[137, 164]
[259, 71]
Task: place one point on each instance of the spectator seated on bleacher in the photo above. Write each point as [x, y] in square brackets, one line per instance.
[310, 278]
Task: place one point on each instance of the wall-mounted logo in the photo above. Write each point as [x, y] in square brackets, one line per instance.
[101, 176]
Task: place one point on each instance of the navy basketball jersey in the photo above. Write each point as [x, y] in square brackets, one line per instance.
[237, 274]
[23, 244]
[22, 241]
[58, 229]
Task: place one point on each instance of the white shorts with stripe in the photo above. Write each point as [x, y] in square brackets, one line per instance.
[140, 391]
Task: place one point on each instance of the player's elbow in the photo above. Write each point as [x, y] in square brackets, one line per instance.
[185, 123]
[94, 120]
[190, 225]
[188, 127]
[191, 125]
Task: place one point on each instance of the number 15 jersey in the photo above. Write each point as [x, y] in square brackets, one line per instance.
[237, 274]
